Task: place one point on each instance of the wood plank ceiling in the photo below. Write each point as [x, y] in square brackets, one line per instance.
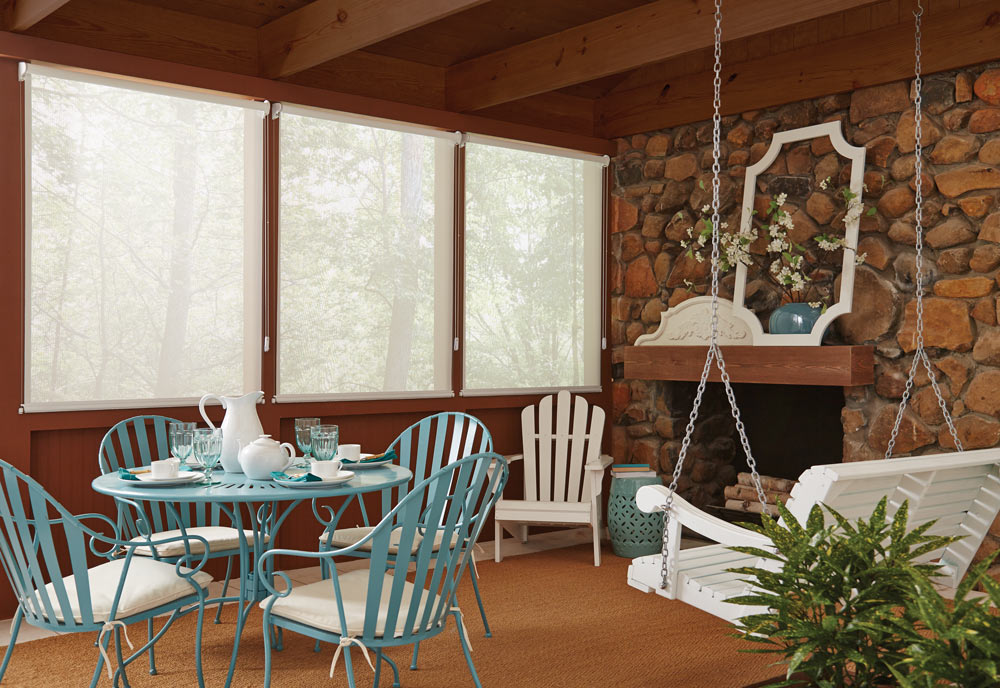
[596, 67]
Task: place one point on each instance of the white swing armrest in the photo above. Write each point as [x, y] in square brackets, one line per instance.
[601, 464]
[511, 458]
[651, 498]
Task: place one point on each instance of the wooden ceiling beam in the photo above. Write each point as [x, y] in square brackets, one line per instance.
[950, 40]
[152, 31]
[23, 14]
[641, 36]
[326, 29]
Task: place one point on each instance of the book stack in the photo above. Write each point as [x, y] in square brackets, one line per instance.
[632, 470]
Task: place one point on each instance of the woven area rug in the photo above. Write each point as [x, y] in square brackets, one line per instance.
[558, 621]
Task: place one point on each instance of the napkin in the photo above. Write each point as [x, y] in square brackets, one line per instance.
[384, 456]
[126, 474]
[302, 478]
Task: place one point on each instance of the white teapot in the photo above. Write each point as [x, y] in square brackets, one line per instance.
[264, 455]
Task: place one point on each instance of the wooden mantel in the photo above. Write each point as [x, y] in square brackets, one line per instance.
[840, 366]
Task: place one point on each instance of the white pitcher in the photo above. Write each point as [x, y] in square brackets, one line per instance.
[239, 425]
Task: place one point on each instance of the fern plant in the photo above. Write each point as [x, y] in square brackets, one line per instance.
[836, 595]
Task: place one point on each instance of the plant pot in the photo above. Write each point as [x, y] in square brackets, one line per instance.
[793, 318]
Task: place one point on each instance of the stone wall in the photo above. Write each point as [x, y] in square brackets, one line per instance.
[661, 180]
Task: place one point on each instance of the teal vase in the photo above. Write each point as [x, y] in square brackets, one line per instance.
[793, 318]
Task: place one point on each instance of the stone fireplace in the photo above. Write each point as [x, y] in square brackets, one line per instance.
[661, 180]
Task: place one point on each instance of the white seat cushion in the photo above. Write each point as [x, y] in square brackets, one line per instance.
[316, 605]
[345, 537]
[220, 539]
[149, 584]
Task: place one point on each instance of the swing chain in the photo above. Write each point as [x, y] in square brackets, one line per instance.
[920, 353]
[714, 352]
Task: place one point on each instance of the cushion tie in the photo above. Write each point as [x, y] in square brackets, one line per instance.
[346, 641]
[461, 620]
[110, 626]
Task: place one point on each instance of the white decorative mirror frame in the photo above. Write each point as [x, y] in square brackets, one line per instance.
[856, 154]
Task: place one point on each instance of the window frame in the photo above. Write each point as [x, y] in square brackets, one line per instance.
[255, 161]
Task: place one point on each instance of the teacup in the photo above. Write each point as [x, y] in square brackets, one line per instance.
[349, 452]
[327, 470]
[161, 470]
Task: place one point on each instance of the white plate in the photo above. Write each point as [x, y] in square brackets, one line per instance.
[183, 478]
[371, 464]
[342, 477]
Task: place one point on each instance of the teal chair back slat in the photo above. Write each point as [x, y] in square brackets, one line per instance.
[136, 442]
[430, 444]
[451, 505]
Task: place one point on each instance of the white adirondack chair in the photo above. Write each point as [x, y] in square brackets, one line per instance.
[563, 470]
[960, 490]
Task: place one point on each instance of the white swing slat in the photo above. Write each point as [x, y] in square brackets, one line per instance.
[960, 491]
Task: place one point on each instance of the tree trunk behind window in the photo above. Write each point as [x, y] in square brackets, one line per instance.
[403, 273]
[179, 278]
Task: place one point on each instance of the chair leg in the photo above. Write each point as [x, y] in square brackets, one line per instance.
[413, 662]
[100, 659]
[523, 530]
[267, 653]
[152, 648]
[225, 588]
[316, 646]
[378, 667]
[479, 601]
[197, 641]
[597, 545]
[497, 538]
[465, 649]
[395, 671]
[350, 668]
[15, 628]
[120, 671]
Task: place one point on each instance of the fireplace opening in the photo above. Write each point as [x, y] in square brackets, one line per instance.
[791, 427]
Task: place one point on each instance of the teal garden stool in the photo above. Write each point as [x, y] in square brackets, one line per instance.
[633, 533]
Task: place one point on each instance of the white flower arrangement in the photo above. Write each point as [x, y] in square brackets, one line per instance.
[789, 265]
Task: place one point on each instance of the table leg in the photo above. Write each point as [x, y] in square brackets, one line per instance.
[265, 520]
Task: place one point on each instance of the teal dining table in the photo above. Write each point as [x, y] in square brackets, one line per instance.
[267, 505]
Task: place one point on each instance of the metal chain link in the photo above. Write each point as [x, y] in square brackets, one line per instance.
[920, 353]
[714, 352]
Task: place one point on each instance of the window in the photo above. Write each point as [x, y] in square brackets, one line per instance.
[533, 228]
[365, 257]
[143, 242]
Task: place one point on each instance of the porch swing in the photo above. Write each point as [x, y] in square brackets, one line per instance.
[960, 490]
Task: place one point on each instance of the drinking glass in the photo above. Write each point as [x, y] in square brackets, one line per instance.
[303, 435]
[181, 436]
[207, 451]
[324, 440]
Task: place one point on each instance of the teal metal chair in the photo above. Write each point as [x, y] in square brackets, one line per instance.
[423, 448]
[432, 531]
[44, 551]
[136, 442]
